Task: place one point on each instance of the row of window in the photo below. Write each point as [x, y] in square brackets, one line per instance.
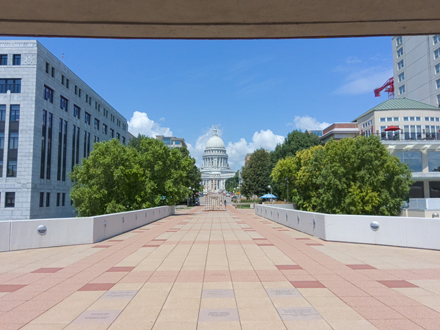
[388, 119]
[11, 84]
[16, 59]
[14, 117]
[65, 82]
[64, 105]
[368, 123]
[414, 160]
[61, 199]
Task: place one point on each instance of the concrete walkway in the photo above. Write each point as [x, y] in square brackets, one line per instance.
[219, 270]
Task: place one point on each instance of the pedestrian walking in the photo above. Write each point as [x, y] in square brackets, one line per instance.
[225, 203]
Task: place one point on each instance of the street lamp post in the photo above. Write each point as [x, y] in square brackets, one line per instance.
[287, 182]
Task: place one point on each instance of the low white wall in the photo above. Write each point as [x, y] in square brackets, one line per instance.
[281, 206]
[396, 231]
[23, 234]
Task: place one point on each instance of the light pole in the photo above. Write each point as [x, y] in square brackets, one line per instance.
[270, 193]
[287, 182]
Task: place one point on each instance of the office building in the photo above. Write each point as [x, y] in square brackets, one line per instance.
[416, 67]
[172, 142]
[410, 131]
[49, 121]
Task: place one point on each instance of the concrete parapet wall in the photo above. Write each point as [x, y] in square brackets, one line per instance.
[23, 234]
[416, 232]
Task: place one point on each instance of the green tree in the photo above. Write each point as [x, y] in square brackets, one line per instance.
[233, 182]
[350, 176]
[256, 174]
[294, 142]
[115, 178]
[136, 142]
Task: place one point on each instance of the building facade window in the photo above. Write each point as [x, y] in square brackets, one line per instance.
[437, 68]
[58, 199]
[16, 59]
[96, 124]
[112, 133]
[85, 145]
[3, 59]
[63, 199]
[64, 103]
[60, 148]
[13, 85]
[438, 83]
[47, 199]
[47, 68]
[76, 90]
[43, 145]
[401, 77]
[104, 129]
[77, 145]
[87, 118]
[41, 199]
[436, 39]
[64, 151]
[76, 111]
[49, 145]
[434, 161]
[416, 190]
[400, 65]
[48, 94]
[438, 99]
[412, 158]
[14, 119]
[88, 144]
[437, 53]
[118, 136]
[400, 52]
[398, 41]
[402, 89]
[10, 199]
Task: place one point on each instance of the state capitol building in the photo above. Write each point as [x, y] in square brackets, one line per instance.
[215, 169]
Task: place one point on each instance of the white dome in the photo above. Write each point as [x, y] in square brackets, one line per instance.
[215, 142]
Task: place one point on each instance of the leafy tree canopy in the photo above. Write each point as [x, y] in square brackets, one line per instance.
[115, 178]
[233, 182]
[256, 174]
[350, 176]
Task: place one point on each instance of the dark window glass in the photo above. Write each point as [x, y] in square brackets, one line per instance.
[64, 103]
[41, 199]
[88, 144]
[79, 92]
[412, 158]
[1, 166]
[112, 133]
[47, 67]
[15, 113]
[53, 72]
[77, 145]
[76, 90]
[434, 189]
[96, 124]
[3, 59]
[63, 199]
[104, 129]
[85, 145]
[10, 199]
[60, 148]
[47, 199]
[87, 98]
[123, 140]
[12, 169]
[58, 199]
[118, 136]
[2, 112]
[87, 118]
[43, 145]
[2, 141]
[434, 161]
[67, 83]
[13, 85]
[416, 190]
[73, 146]
[48, 94]
[64, 151]
[13, 141]
[62, 79]
[16, 59]
[49, 146]
[76, 111]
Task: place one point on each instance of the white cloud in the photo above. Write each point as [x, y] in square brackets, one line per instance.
[237, 151]
[305, 123]
[162, 119]
[141, 124]
[365, 81]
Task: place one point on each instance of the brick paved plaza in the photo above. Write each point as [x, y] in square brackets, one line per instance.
[219, 270]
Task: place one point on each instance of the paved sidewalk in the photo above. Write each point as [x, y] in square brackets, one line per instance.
[219, 270]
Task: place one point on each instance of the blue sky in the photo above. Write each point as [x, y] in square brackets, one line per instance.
[256, 91]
